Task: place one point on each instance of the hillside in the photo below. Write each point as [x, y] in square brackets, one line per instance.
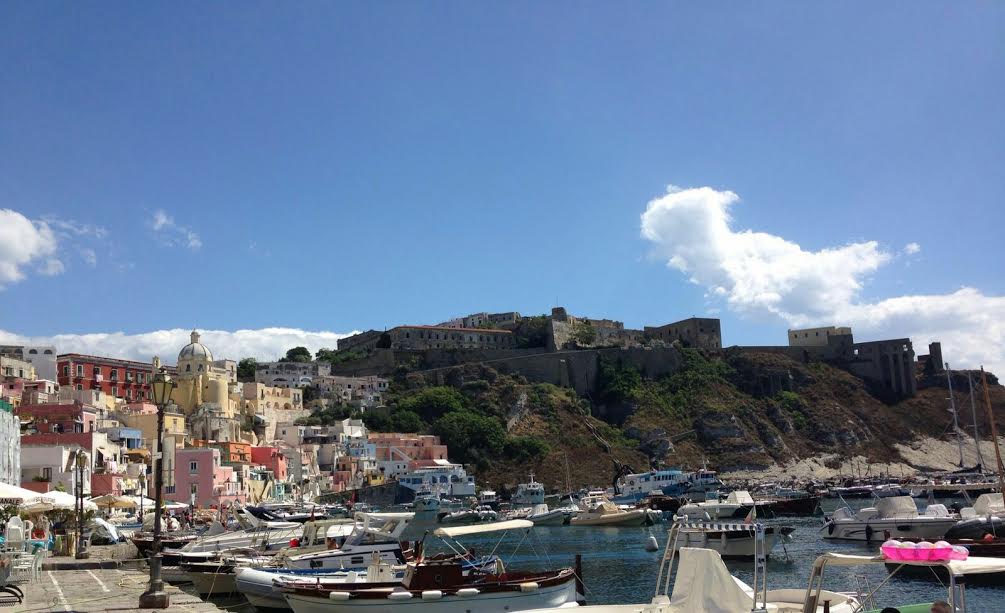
[740, 412]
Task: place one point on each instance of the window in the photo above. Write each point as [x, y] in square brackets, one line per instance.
[97, 371]
[193, 489]
[80, 370]
[193, 467]
[47, 352]
[188, 368]
[66, 370]
[47, 473]
[33, 351]
[80, 387]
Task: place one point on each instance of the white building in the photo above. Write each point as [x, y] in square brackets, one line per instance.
[441, 476]
[53, 464]
[42, 357]
[361, 391]
[291, 374]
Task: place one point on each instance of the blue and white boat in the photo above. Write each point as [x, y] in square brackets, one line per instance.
[668, 482]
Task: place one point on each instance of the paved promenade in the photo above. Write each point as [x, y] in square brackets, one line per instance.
[100, 590]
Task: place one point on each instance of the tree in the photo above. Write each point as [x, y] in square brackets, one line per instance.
[298, 354]
[246, 369]
[471, 438]
[584, 334]
[433, 402]
[406, 421]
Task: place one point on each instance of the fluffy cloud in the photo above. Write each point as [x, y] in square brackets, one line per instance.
[173, 234]
[24, 242]
[760, 273]
[262, 344]
[912, 248]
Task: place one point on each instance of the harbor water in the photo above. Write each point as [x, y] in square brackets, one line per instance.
[617, 569]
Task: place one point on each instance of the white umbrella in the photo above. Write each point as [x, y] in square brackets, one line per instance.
[62, 500]
[13, 492]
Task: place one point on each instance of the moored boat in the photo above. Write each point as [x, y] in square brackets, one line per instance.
[894, 517]
[600, 511]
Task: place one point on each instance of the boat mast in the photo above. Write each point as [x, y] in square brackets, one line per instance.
[973, 411]
[994, 433]
[952, 409]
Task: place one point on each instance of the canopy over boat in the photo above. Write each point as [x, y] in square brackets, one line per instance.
[455, 531]
[896, 506]
[971, 566]
[989, 504]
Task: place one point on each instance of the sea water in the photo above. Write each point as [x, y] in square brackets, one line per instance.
[618, 570]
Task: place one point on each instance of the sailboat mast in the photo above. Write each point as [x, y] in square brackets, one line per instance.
[994, 433]
[952, 405]
[973, 412]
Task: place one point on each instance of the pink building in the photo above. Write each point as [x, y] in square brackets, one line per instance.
[106, 483]
[59, 418]
[398, 453]
[273, 459]
[200, 476]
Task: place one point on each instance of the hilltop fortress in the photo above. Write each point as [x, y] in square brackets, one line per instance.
[567, 350]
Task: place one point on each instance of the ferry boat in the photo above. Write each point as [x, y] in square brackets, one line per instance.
[668, 482]
[529, 494]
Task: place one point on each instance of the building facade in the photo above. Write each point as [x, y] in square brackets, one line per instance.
[124, 379]
[816, 337]
[41, 357]
[291, 374]
[10, 439]
[698, 332]
[435, 337]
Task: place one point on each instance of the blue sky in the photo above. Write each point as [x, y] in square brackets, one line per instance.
[345, 166]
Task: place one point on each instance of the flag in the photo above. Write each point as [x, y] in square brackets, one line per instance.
[751, 515]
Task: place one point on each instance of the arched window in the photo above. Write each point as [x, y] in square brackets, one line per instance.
[188, 368]
[200, 367]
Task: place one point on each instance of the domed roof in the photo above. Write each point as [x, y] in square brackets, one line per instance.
[195, 350]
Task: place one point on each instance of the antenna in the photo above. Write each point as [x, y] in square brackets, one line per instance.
[952, 409]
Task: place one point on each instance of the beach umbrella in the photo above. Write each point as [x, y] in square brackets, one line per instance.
[15, 494]
[113, 501]
[37, 506]
[64, 501]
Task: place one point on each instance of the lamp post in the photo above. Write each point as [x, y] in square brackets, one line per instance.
[81, 464]
[155, 597]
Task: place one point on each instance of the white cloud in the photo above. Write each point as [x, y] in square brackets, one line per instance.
[68, 227]
[24, 242]
[172, 234]
[760, 273]
[912, 248]
[262, 344]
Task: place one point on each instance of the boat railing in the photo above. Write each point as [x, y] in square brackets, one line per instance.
[760, 581]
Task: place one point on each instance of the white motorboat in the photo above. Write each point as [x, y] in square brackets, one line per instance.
[736, 504]
[730, 540]
[374, 532]
[600, 511]
[529, 494]
[541, 515]
[892, 518]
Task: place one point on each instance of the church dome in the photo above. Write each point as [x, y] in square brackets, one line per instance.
[195, 350]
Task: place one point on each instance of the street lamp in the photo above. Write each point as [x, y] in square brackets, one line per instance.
[155, 597]
[81, 464]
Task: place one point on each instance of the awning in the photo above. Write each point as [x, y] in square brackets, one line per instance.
[513, 524]
[361, 515]
[973, 565]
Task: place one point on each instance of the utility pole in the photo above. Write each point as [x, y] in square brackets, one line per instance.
[952, 409]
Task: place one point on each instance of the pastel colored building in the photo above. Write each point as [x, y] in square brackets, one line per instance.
[201, 477]
[146, 423]
[231, 452]
[59, 418]
[273, 459]
[43, 467]
[397, 454]
[125, 379]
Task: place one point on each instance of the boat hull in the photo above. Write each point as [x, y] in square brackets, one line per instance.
[731, 544]
[637, 517]
[214, 585]
[551, 518]
[880, 530]
[490, 602]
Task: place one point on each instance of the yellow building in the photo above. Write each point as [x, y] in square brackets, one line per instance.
[200, 381]
[257, 397]
[174, 425]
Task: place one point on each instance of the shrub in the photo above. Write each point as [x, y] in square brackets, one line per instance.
[524, 448]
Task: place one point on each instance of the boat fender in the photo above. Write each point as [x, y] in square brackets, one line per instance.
[868, 532]
[432, 594]
[651, 544]
[530, 586]
[338, 595]
[466, 592]
[830, 528]
[399, 595]
[723, 541]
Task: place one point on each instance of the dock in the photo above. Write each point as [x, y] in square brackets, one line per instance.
[99, 590]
